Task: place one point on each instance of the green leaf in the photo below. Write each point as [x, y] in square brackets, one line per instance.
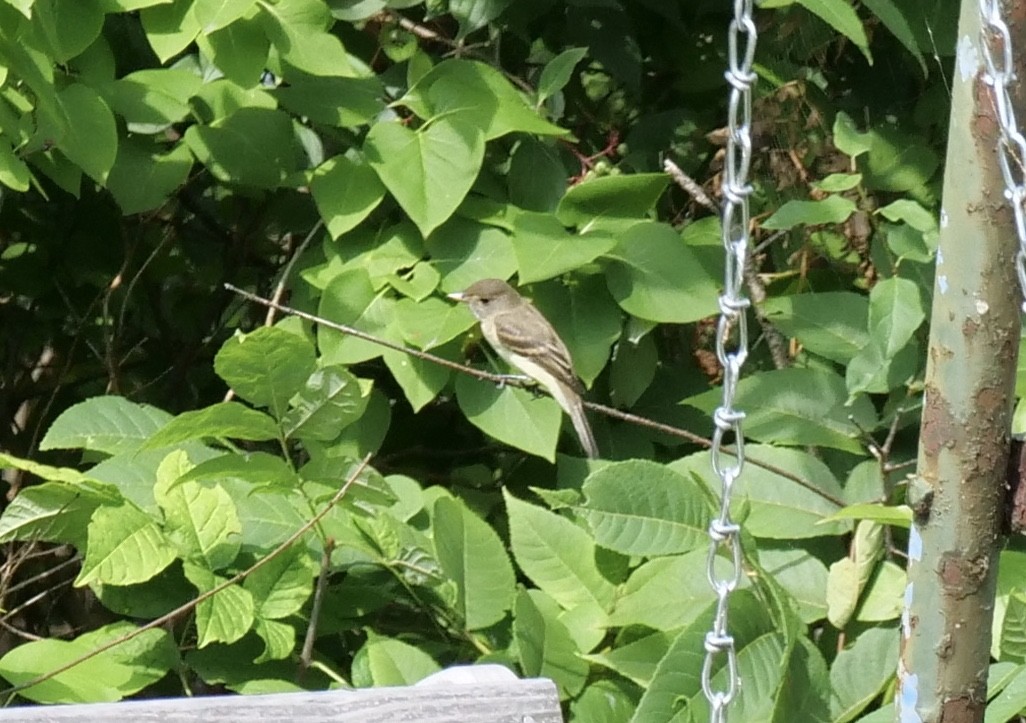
[266, 367]
[91, 141]
[890, 14]
[797, 406]
[431, 322]
[557, 72]
[537, 178]
[849, 576]
[772, 505]
[884, 598]
[345, 193]
[252, 146]
[225, 617]
[151, 100]
[667, 593]
[633, 369]
[643, 508]
[464, 252]
[224, 420]
[860, 672]
[657, 276]
[170, 28]
[125, 547]
[635, 660]
[13, 172]
[202, 521]
[350, 299]
[847, 137]
[297, 30]
[513, 416]
[239, 50]
[830, 323]
[611, 203]
[870, 371]
[67, 28]
[330, 401]
[838, 182]
[143, 177]
[279, 642]
[544, 645]
[420, 380]
[215, 14]
[897, 161]
[255, 468]
[427, 171]
[831, 210]
[802, 575]
[282, 586]
[1007, 704]
[480, 96]
[842, 17]
[895, 313]
[472, 555]
[545, 249]
[475, 14]
[50, 512]
[385, 661]
[105, 424]
[897, 515]
[96, 680]
[557, 556]
[342, 102]
[586, 318]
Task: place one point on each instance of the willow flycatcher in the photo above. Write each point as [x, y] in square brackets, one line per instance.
[523, 337]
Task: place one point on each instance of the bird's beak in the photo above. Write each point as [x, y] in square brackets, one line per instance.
[457, 296]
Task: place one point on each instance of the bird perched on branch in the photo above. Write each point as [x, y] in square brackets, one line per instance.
[523, 337]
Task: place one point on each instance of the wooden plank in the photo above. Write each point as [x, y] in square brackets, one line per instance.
[521, 701]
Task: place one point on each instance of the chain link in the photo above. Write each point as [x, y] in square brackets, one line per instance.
[996, 44]
[731, 350]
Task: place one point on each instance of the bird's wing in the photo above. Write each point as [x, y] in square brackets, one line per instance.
[519, 331]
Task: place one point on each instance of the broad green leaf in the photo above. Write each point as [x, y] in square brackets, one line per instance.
[201, 521]
[330, 401]
[774, 506]
[514, 416]
[266, 367]
[586, 318]
[544, 645]
[282, 586]
[428, 171]
[96, 680]
[831, 323]
[359, 440]
[643, 508]
[636, 660]
[890, 14]
[13, 172]
[91, 141]
[633, 369]
[838, 182]
[1007, 704]
[23, 6]
[873, 372]
[897, 160]
[847, 137]
[143, 177]
[351, 299]
[150, 654]
[841, 16]
[849, 576]
[380, 253]
[472, 555]
[67, 28]
[480, 96]
[386, 661]
[224, 420]
[912, 213]
[215, 14]
[279, 641]
[475, 14]
[432, 322]
[797, 406]
[611, 203]
[105, 424]
[252, 146]
[420, 380]
[125, 547]
[884, 598]
[239, 50]
[545, 249]
[151, 100]
[656, 275]
[897, 515]
[255, 468]
[464, 252]
[224, 617]
[860, 672]
[342, 102]
[831, 210]
[667, 593]
[221, 98]
[557, 72]
[802, 575]
[51, 512]
[417, 282]
[345, 193]
[895, 312]
[297, 30]
[537, 178]
[170, 27]
[604, 701]
[557, 556]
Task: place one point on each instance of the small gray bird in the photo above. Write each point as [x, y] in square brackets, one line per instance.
[523, 337]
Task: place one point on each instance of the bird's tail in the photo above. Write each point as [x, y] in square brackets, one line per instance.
[575, 408]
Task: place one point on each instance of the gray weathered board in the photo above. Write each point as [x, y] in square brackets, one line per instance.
[511, 701]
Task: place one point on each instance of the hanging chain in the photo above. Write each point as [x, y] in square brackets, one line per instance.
[996, 42]
[731, 349]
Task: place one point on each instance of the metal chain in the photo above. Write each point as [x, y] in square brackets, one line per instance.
[996, 43]
[731, 350]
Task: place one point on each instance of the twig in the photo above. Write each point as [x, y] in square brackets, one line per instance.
[279, 290]
[187, 607]
[689, 186]
[315, 609]
[517, 382]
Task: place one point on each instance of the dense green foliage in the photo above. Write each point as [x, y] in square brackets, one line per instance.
[366, 157]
